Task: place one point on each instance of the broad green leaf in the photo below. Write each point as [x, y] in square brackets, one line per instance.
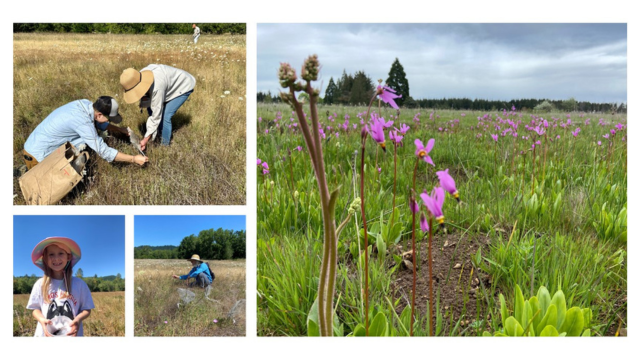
[549, 319]
[359, 331]
[586, 314]
[382, 248]
[504, 313]
[573, 322]
[313, 328]
[549, 330]
[561, 306]
[512, 327]
[544, 298]
[379, 326]
[587, 333]
[486, 333]
[537, 313]
[526, 318]
[519, 305]
[405, 317]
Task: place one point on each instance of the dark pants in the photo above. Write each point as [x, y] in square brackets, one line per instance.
[201, 280]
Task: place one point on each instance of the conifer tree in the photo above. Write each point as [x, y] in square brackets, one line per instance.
[397, 80]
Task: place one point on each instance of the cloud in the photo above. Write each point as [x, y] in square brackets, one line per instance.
[488, 61]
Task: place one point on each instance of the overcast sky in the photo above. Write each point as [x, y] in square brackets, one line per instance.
[487, 61]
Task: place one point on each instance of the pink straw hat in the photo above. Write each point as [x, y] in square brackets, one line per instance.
[66, 244]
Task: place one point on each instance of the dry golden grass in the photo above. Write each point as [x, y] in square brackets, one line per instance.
[106, 319]
[205, 163]
[156, 300]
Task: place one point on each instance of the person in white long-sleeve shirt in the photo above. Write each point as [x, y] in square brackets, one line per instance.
[196, 33]
[76, 122]
[161, 89]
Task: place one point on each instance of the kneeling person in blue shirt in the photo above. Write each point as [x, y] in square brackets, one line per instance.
[76, 122]
[200, 271]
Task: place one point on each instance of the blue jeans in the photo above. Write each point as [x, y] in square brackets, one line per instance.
[168, 111]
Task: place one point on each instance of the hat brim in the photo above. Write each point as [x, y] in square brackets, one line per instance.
[138, 91]
[115, 119]
[38, 251]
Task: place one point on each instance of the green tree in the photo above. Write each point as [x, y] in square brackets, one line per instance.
[397, 80]
[79, 273]
[362, 89]
[331, 94]
[344, 88]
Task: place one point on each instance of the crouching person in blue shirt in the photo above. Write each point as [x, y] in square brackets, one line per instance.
[200, 271]
[77, 122]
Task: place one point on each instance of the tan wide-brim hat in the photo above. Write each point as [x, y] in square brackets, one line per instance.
[196, 258]
[135, 84]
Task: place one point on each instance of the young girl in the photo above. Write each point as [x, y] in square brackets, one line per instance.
[60, 302]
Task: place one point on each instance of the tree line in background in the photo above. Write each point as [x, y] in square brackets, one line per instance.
[151, 28]
[358, 89]
[220, 244]
[24, 284]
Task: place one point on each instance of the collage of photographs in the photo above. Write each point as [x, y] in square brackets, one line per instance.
[452, 180]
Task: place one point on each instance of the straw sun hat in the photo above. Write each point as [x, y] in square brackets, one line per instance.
[135, 84]
[196, 258]
[66, 244]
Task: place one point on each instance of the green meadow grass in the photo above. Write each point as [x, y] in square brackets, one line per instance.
[569, 207]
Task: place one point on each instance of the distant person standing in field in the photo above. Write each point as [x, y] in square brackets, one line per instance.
[60, 302]
[77, 122]
[161, 89]
[200, 271]
[196, 33]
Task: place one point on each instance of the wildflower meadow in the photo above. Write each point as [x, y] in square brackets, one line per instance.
[376, 220]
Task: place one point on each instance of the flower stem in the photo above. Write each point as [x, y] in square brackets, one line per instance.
[364, 224]
[413, 249]
[395, 166]
[430, 278]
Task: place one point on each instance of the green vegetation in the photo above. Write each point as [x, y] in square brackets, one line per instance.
[131, 28]
[220, 244]
[553, 215]
[24, 284]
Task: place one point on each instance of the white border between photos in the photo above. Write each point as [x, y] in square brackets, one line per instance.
[327, 11]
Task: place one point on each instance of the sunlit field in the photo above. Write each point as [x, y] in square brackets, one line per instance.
[543, 203]
[106, 319]
[205, 163]
[160, 311]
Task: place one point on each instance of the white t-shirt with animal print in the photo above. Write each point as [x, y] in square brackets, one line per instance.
[61, 308]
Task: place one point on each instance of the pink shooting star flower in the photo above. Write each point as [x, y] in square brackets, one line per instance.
[376, 129]
[388, 95]
[413, 206]
[448, 184]
[379, 170]
[434, 204]
[494, 137]
[599, 143]
[575, 133]
[393, 135]
[606, 136]
[612, 131]
[424, 226]
[265, 168]
[266, 131]
[259, 162]
[423, 151]
[403, 129]
[299, 148]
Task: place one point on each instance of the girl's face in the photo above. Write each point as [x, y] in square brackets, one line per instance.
[56, 258]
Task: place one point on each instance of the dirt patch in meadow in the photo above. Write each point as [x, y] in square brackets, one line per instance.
[454, 277]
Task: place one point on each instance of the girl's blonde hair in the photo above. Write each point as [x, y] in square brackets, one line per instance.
[48, 273]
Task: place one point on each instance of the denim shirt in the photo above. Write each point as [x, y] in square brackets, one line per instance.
[72, 122]
[197, 270]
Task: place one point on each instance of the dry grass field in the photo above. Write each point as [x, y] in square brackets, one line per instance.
[206, 162]
[106, 319]
[156, 300]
